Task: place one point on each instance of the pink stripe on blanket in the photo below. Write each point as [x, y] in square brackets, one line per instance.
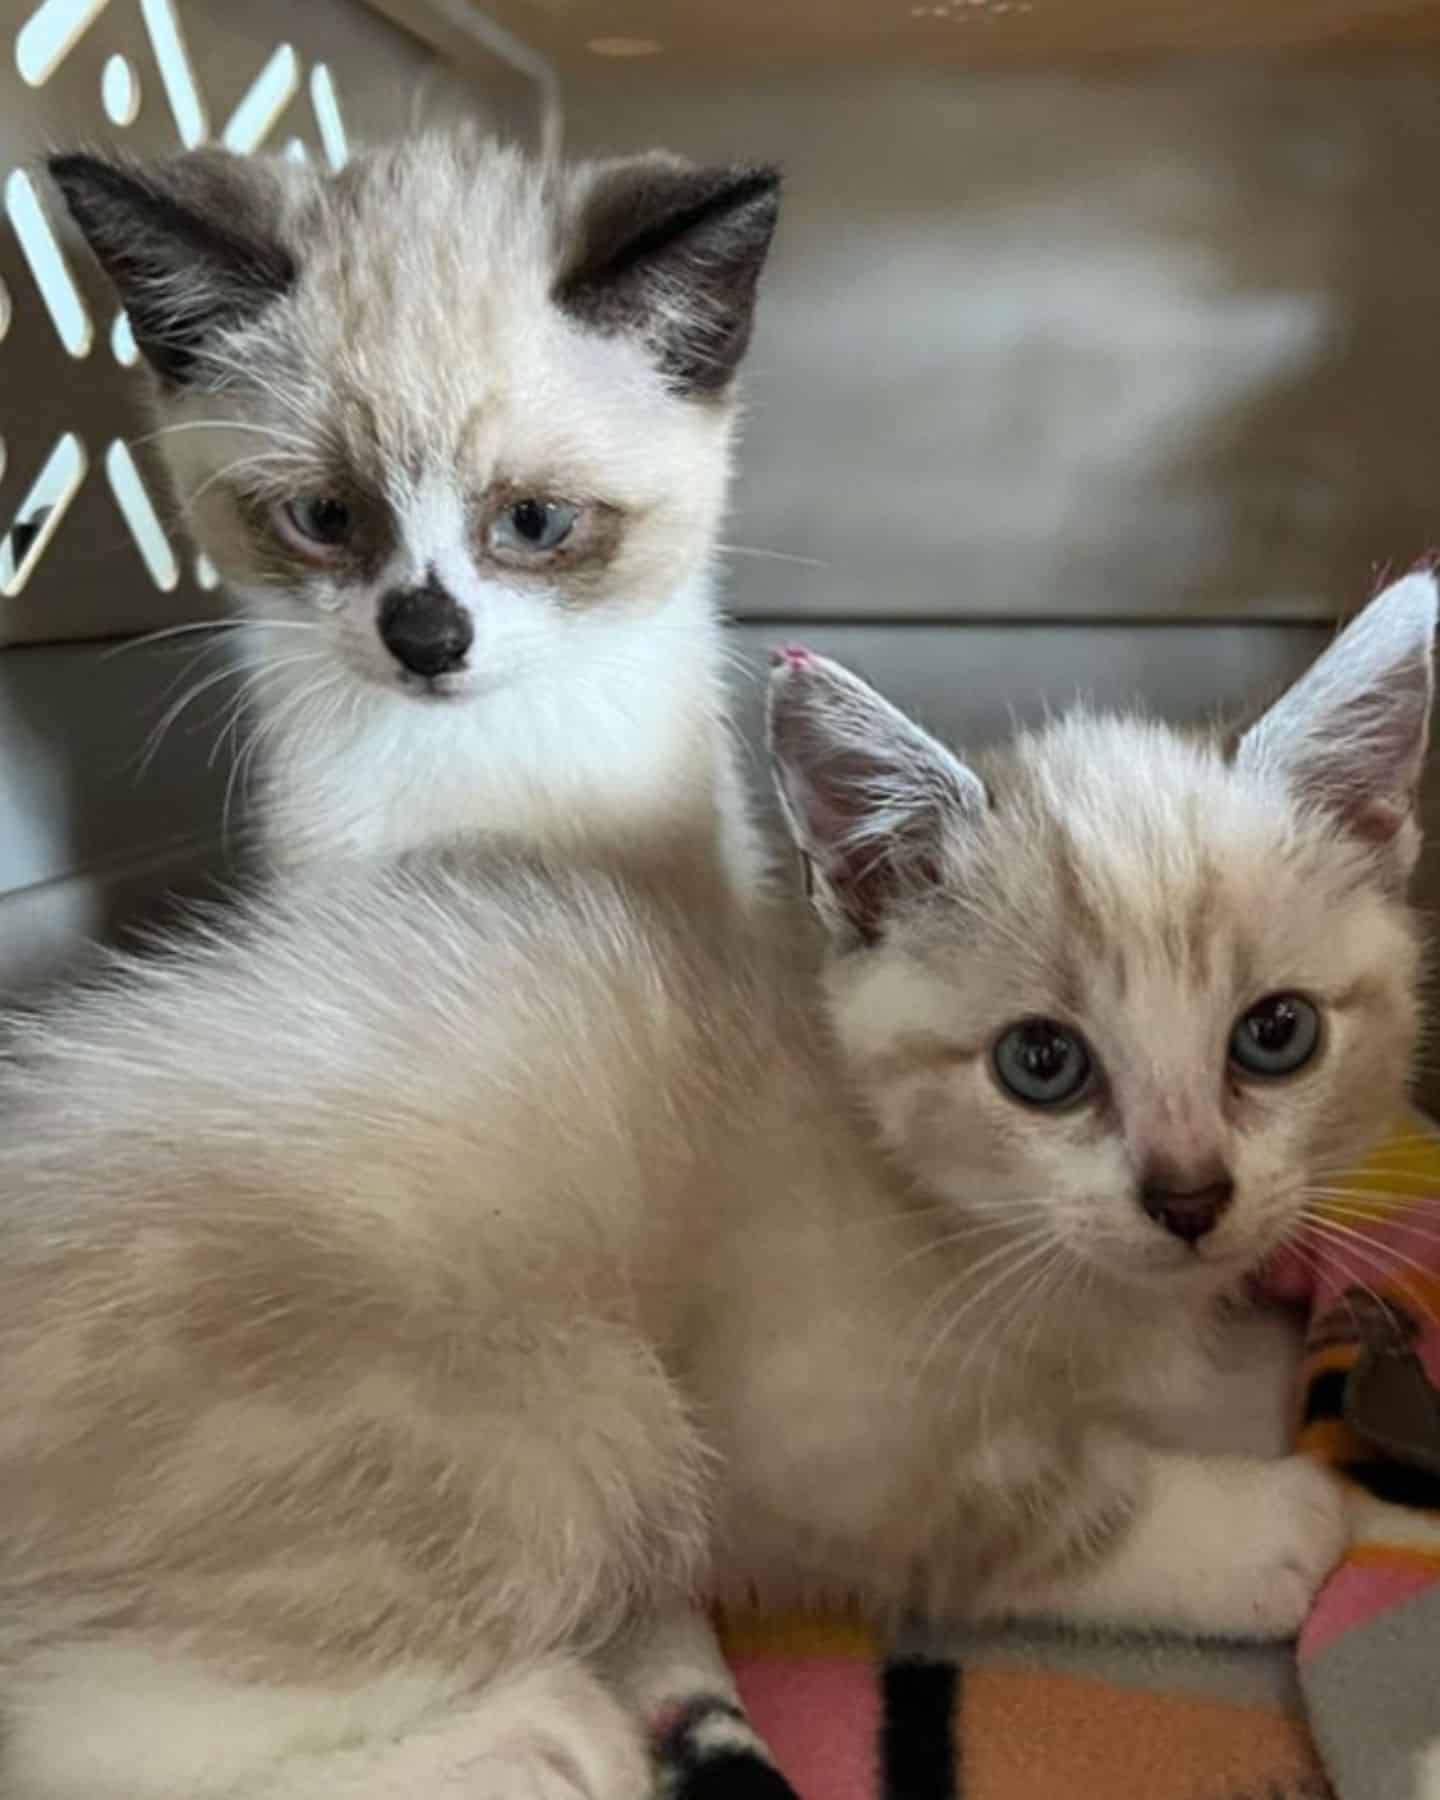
[820, 1716]
[1359, 1590]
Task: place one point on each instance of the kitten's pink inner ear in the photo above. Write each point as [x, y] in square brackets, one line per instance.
[1350, 735]
[1376, 823]
[793, 656]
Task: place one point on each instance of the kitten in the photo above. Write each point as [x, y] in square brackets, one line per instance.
[413, 1294]
[1115, 999]
[455, 429]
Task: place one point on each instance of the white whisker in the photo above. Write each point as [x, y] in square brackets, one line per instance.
[785, 556]
[1008, 1270]
[1380, 1264]
[241, 425]
[207, 625]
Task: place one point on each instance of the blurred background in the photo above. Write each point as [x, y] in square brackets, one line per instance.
[1099, 352]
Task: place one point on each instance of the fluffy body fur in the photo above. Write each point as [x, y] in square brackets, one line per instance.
[438, 334]
[441, 331]
[408, 1295]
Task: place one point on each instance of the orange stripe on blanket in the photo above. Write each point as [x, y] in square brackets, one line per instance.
[795, 1634]
[1330, 1441]
[1030, 1735]
[1334, 1356]
[1394, 1556]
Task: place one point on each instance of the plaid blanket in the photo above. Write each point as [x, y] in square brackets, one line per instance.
[1021, 1716]
[1031, 1715]
[1370, 1651]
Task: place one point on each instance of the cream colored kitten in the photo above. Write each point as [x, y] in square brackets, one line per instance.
[370, 388]
[409, 1297]
[456, 432]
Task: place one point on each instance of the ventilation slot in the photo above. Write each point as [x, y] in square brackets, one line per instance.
[117, 70]
[120, 91]
[122, 342]
[140, 515]
[39, 514]
[50, 33]
[270, 93]
[47, 264]
[176, 73]
[327, 117]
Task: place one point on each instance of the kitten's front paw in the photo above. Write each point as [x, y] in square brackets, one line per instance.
[1298, 1535]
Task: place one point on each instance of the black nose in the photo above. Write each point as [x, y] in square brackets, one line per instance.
[1188, 1214]
[425, 630]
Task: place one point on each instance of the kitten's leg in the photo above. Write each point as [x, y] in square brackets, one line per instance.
[671, 1671]
[548, 1732]
[1218, 1546]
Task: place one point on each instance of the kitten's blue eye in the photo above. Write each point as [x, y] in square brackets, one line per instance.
[1276, 1037]
[319, 519]
[1042, 1063]
[531, 527]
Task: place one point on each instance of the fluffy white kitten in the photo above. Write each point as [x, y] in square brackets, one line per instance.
[455, 430]
[410, 1297]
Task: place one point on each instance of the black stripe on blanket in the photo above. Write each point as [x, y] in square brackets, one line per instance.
[1396, 1482]
[917, 1737]
[1325, 1398]
[711, 1752]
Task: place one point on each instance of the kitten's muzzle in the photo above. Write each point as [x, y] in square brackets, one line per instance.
[425, 629]
[1188, 1211]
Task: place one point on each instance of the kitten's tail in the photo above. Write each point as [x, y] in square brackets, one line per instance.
[709, 1750]
[674, 1674]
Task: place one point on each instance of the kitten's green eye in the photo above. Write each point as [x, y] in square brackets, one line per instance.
[1276, 1037]
[533, 527]
[318, 521]
[1042, 1063]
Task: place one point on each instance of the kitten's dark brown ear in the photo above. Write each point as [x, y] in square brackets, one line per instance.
[1350, 736]
[674, 253]
[871, 800]
[188, 243]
